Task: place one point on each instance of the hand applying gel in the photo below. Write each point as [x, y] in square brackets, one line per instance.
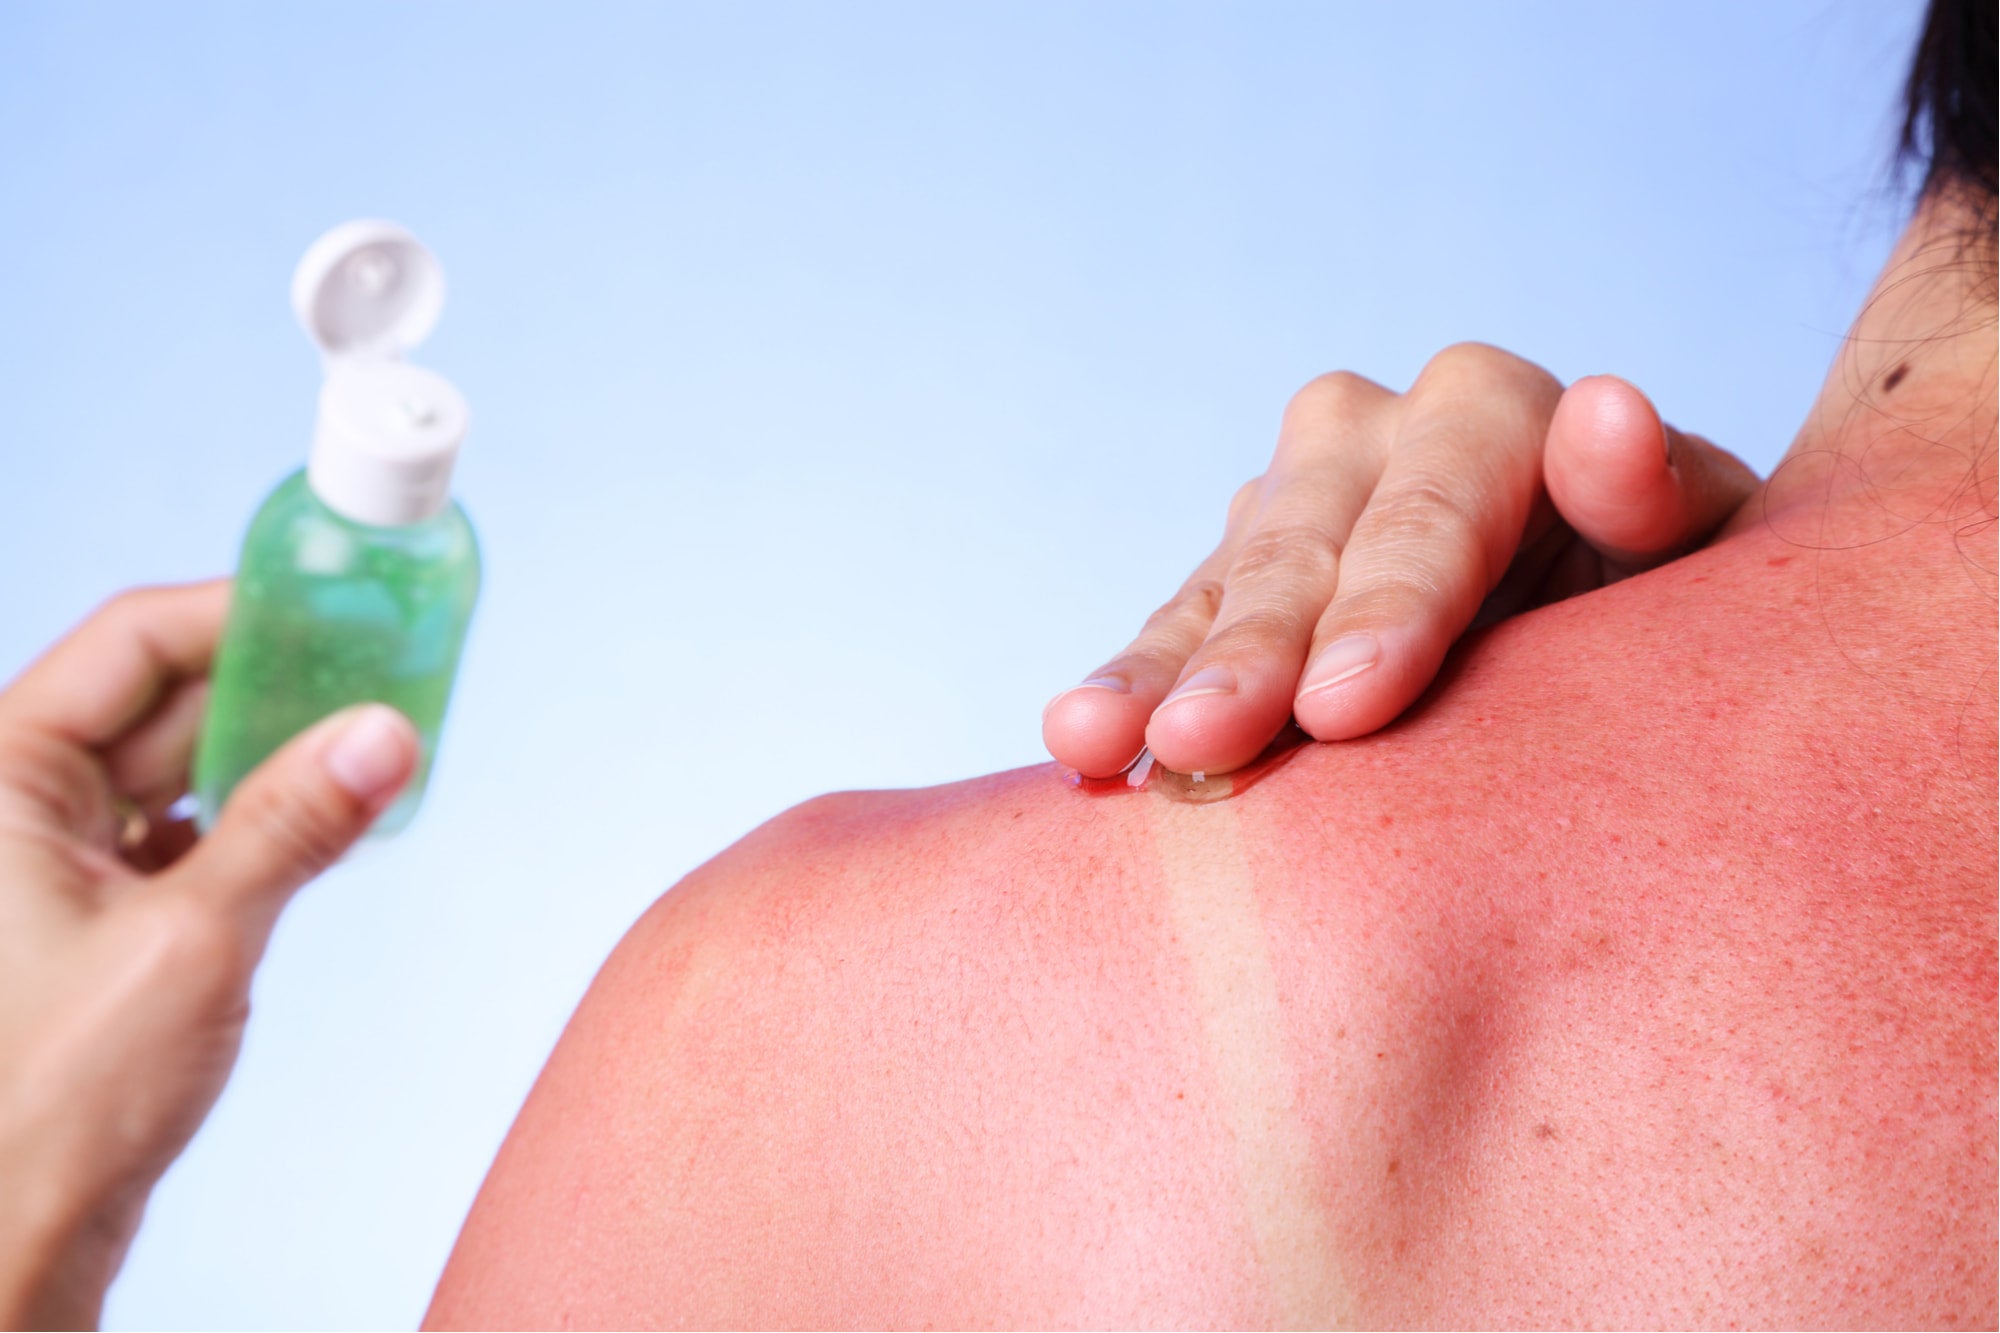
[1386, 526]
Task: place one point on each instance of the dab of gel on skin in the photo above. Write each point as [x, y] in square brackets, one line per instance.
[359, 572]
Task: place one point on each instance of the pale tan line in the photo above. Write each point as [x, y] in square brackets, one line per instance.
[1215, 913]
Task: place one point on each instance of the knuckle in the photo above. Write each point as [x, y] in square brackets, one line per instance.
[1403, 596]
[1198, 599]
[301, 832]
[192, 940]
[142, 603]
[1245, 499]
[1471, 360]
[1426, 526]
[1423, 506]
[126, 604]
[143, 596]
[1476, 367]
[1261, 629]
[131, 610]
[49, 775]
[1338, 393]
[1289, 551]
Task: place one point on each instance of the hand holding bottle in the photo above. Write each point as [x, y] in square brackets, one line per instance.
[126, 945]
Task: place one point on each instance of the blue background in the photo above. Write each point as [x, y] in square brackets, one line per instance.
[846, 380]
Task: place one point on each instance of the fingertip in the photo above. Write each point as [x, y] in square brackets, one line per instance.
[300, 810]
[1094, 729]
[1205, 734]
[1608, 469]
[1218, 730]
[1360, 682]
[1603, 425]
[372, 752]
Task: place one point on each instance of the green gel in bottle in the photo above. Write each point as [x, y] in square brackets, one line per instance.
[359, 573]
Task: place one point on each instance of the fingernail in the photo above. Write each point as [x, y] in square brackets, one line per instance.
[1110, 681]
[371, 753]
[1343, 659]
[1208, 680]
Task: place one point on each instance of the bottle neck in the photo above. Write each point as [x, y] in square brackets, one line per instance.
[385, 442]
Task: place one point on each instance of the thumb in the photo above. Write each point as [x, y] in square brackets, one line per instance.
[1633, 487]
[300, 809]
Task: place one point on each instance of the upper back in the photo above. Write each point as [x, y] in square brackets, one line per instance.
[1644, 974]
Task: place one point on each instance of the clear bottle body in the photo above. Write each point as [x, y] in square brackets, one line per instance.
[325, 613]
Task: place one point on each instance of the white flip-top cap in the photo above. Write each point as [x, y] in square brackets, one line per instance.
[368, 288]
[388, 433]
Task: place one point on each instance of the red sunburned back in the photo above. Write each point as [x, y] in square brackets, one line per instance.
[1645, 975]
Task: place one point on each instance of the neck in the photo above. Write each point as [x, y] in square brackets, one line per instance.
[1911, 395]
[1906, 417]
[1888, 493]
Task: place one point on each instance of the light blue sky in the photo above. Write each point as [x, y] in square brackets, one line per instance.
[845, 381]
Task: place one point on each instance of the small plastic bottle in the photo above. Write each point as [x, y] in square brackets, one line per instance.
[359, 572]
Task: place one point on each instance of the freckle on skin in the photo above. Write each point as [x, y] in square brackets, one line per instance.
[1545, 1130]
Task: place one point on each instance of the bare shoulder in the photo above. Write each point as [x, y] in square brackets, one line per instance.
[1644, 975]
[881, 1063]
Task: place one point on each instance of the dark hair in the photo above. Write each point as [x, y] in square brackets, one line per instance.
[1948, 105]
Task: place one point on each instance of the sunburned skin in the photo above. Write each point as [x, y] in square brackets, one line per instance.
[1643, 975]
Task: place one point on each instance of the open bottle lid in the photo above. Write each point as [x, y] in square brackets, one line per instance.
[387, 433]
[368, 288]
